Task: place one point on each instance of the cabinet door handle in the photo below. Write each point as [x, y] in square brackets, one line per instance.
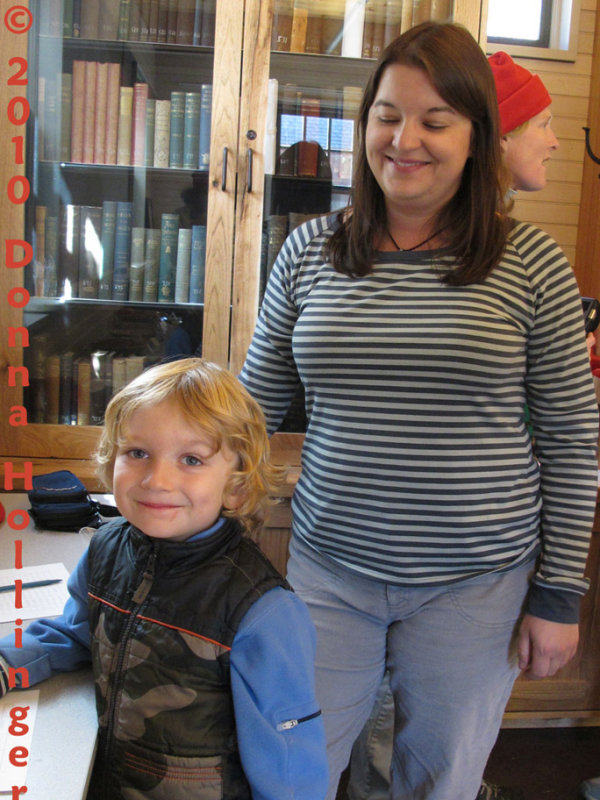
[249, 171]
[224, 170]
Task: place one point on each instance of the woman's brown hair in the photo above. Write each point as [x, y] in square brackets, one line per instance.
[474, 221]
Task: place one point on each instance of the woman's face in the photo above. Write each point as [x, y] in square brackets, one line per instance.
[527, 152]
[416, 144]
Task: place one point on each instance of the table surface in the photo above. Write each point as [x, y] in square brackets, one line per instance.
[64, 735]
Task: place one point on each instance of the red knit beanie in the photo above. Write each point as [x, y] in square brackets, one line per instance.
[521, 94]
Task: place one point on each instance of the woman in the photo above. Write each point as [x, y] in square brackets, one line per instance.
[420, 322]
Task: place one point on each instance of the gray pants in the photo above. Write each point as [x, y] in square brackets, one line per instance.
[450, 655]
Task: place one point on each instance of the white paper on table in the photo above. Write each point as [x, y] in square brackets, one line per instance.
[9, 774]
[43, 601]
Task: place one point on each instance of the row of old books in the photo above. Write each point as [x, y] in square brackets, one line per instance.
[171, 21]
[96, 252]
[88, 117]
[67, 389]
[354, 28]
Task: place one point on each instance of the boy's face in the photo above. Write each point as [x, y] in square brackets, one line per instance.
[528, 152]
[167, 480]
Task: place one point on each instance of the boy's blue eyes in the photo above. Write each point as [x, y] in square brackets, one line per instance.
[190, 461]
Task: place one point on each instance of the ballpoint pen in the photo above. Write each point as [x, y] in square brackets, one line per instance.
[30, 584]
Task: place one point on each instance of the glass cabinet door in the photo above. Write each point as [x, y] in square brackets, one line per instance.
[322, 53]
[118, 163]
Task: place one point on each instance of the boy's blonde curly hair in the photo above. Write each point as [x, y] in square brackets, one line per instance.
[212, 399]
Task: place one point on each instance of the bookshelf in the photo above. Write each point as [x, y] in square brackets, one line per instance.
[147, 147]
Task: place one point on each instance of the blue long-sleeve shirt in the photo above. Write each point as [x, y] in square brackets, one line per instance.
[271, 664]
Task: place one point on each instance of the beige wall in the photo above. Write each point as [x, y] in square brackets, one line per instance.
[556, 208]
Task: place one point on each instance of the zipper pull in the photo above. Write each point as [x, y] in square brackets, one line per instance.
[142, 590]
[292, 723]
[288, 725]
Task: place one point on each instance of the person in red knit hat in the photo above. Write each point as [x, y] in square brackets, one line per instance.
[528, 140]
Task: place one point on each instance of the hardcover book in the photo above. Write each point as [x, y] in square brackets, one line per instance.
[90, 251]
[176, 130]
[136, 269]
[197, 264]
[191, 130]
[169, 231]
[122, 257]
[109, 219]
[152, 260]
[182, 270]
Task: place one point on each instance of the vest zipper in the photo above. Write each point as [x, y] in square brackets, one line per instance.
[293, 723]
[138, 599]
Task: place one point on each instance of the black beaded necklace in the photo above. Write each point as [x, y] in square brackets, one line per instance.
[416, 247]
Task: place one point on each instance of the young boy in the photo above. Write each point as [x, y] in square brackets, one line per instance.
[202, 656]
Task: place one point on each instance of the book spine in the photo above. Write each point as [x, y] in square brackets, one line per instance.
[66, 94]
[314, 29]
[136, 267]
[182, 269]
[68, 250]
[67, 19]
[52, 389]
[65, 402]
[197, 264]
[299, 24]
[39, 346]
[78, 84]
[153, 21]
[204, 129]
[112, 112]
[83, 369]
[191, 130]
[51, 133]
[270, 146]
[145, 21]
[162, 133]
[125, 123]
[281, 34]
[138, 125]
[109, 215]
[354, 20]
[122, 257]
[197, 35]
[123, 28]
[89, 111]
[133, 34]
[185, 22]
[207, 25]
[152, 260]
[90, 261]
[119, 373]
[108, 24]
[172, 21]
[176, 129]
[101, 100]
[51, 265]
[163, 19]
[39, 261]
[89, 19]
[150, 124]
[168, 257]
[76, 26]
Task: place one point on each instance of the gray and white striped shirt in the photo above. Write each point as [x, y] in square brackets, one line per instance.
[417, 466]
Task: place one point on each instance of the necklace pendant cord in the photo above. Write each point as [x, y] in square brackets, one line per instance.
[416, 246]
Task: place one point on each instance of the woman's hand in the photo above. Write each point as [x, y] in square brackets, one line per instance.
[544, 647]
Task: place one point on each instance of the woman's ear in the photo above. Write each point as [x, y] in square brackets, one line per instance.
[504, 144]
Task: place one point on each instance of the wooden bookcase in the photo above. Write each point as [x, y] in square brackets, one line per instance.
[241, 65]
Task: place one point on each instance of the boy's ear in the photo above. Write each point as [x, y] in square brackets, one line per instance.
[232, 500]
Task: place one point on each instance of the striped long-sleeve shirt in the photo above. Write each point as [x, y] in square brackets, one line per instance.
[417, 465]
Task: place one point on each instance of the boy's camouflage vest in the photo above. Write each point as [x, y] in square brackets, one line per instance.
[163, 616]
